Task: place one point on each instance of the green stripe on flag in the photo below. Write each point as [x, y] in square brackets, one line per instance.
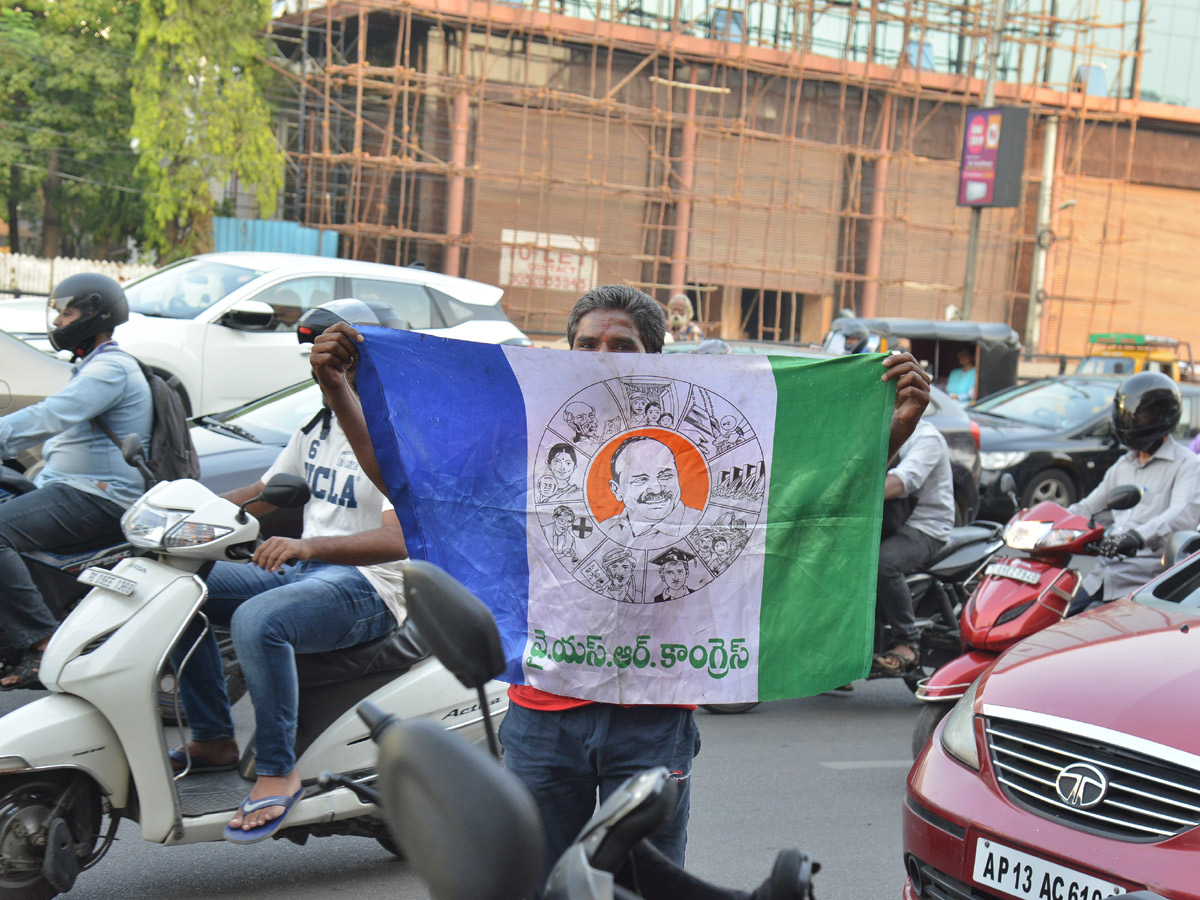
[823, 523]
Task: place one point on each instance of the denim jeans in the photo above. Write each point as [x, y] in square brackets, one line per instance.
[308, 607]
[564, 757]
[901, 552]
[50, 518]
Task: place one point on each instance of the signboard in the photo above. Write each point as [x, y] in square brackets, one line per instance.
[555, 262]
[993, 157]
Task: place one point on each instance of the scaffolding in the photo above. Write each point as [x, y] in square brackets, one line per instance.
[777, 160]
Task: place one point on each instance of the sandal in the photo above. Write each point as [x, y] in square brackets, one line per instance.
[26, 672]
[896, 661]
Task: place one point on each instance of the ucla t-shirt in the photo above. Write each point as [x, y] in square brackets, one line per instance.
[344, 501]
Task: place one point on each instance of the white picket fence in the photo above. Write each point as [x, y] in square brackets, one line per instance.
[22, 274]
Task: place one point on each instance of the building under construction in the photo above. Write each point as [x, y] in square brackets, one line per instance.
[778, 160]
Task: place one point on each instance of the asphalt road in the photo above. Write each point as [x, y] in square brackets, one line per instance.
[825, 774]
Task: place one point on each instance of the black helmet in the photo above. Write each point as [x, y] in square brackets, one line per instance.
[1145, 410]
[102, 307]
[855, 335]
[317, 319]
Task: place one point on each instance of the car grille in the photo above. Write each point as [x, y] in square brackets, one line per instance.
[1146, 799]
[937, 885]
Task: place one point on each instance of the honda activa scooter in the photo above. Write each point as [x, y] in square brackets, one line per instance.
[96, 747]
[1016, 597]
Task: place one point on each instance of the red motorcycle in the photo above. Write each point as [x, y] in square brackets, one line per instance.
[1018, 595]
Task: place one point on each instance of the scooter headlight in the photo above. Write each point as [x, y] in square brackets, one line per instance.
[193, 534]
[145, 525]
[958, 734]
[1026, 535]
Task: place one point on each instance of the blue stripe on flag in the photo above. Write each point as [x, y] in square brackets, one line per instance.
[474, 419]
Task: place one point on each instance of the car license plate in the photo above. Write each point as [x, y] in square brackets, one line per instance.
[1022, 875]
[102, 578]
[1016, 573]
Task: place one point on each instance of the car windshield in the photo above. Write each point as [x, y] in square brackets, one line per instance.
[273, 419]
[1106, 365]
[1057, 405]
[186, 289]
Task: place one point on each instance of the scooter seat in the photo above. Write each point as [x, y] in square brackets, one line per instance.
[393, 653]
[962, 537]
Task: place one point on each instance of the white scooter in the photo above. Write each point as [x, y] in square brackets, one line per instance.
[96, 747]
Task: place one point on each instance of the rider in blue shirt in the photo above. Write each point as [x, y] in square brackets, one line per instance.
[85, 485]
[961, 383]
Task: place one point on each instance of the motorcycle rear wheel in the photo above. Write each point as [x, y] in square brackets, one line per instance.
[26, 804]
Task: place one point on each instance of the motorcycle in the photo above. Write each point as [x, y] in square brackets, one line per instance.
[940, 588]
[55, 573]
[1016, 597]
[95, 748]
[472, 832]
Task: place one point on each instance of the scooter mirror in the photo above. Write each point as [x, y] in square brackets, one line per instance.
[469, 829]
[458, 628]
[132, 450]
[286, 491]
[1180, 545]
[1124, 496]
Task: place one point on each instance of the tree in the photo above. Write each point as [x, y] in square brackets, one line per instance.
[199, 116]
[65, 112]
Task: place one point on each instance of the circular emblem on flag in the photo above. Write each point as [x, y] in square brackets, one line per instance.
[647, 489]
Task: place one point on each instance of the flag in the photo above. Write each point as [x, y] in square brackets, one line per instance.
[645, 528]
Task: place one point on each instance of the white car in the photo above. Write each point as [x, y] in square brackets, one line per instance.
[225, 323]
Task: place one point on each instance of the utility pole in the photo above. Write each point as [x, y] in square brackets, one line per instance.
[989, 99]
[1037, 279]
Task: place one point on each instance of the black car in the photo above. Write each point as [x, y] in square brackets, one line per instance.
[944, 412]
[1054, 437]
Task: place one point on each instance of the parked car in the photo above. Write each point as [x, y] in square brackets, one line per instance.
[944, 412]
[224, 323]
[1071, 768]
[1054, 437]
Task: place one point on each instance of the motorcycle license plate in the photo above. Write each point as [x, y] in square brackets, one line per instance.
[1016, 573]
[102, 578]
[1022, 875]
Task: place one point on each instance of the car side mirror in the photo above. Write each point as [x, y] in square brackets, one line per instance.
[285, 491]
[1180, 545]
[249, 315]
[1124, 496]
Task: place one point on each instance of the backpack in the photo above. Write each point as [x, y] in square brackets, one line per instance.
[171, 453]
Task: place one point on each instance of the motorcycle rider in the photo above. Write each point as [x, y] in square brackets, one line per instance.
[337, 586]
[85, 485]
[567, 750]
[1146, 410]
[922, 476]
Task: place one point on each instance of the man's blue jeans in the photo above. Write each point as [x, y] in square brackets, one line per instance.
[564, 757]
[56, 516]
[307, 607]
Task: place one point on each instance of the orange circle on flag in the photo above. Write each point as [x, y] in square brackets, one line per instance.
[693, 472]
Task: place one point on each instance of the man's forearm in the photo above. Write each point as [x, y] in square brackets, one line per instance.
[367, 548]
[346, 406]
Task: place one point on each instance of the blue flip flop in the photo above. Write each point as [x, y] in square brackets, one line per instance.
[198, 765]
[262, 832]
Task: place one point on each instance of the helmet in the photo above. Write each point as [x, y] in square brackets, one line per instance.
[317, 319]
[855, 335]
[1146, 409]
[102, 306]
[713, 345]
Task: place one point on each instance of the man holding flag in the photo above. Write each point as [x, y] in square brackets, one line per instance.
[564, 748]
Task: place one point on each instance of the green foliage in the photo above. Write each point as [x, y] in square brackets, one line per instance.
[199, 115]
[65, 108]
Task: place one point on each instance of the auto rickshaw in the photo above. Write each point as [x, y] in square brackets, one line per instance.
[1121, 354]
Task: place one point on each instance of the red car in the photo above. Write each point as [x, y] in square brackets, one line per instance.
[1071, 769]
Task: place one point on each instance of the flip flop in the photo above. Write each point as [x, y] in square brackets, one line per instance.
[27, 671]
[893, 663]
[198, 765]
[264, 831]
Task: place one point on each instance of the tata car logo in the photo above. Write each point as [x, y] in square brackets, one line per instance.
[1081, 785]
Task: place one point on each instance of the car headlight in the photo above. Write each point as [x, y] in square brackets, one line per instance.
[145, 525]
[1025, 535]
[1001, 459]
[958, 734]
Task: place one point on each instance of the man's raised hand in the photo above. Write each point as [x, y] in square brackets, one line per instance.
[334, 353]
[912, 396]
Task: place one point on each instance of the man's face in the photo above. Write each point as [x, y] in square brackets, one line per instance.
[704, 542]
[563, 521]
[561, 465]
[647, 481]
[621, 572]
[583, 420]
[67, 316]
[675, 575]
[638, 404]
[608, 331]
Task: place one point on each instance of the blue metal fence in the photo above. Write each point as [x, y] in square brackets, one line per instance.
[272, 235]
